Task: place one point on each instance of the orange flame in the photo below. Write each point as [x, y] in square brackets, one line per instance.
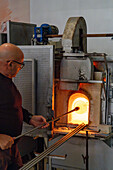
[82, 115]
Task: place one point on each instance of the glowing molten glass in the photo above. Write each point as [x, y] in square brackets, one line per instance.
[82, 115]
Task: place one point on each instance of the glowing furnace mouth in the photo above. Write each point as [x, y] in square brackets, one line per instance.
[82, 115]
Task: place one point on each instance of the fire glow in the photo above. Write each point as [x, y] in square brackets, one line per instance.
[82, 115]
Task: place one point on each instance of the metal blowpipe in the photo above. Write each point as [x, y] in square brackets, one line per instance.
[53, 120]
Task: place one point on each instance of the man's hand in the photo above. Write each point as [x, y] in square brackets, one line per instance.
[6, 141]
[38, 121]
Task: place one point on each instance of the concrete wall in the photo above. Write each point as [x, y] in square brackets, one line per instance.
[15, 10]
[97, 13]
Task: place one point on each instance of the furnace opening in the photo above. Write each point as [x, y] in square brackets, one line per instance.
[82, 115]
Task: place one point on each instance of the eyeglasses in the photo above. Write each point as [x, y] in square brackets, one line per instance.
[21, 64]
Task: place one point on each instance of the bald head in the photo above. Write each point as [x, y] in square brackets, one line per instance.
[10, 51]
[11, 59]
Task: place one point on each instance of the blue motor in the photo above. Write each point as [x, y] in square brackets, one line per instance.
[41, 32]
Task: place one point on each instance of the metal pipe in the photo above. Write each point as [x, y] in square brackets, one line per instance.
[106, 65]
[83, 35]
[107, 97]
[97, 35]
[107, 89]
[53, 120]
[87, 157]
[53, 36]
[54, 156]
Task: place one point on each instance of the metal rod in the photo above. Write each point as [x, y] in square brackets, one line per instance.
[107, 97]
[103, 85]
[54, 35]
[95, 54]
[79, 81]
[105, 59]
[75, 109]
[97, 35]
[52, 147]
[54, 156]
[83, 35]
[107, 89]
[87, 157]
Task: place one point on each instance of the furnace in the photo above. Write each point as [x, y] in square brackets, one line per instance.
[78, 84]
